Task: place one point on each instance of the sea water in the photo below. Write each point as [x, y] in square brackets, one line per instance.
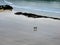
[51, 8]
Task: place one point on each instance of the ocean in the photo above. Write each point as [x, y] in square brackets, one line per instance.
[36, 5]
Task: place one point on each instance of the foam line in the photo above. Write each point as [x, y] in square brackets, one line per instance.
[7, 2]
[32, 8]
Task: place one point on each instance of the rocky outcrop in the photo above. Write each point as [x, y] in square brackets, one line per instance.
[6, 7]
[35, 15]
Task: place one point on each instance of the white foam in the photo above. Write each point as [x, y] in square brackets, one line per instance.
[32, 8]
[7, 2]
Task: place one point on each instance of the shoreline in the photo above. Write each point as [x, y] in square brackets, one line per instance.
[18, 30]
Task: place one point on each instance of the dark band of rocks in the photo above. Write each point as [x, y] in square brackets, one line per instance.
[34, 15]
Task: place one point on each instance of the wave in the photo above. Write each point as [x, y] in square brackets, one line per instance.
[8, 2]
[35, 9]
[36, 0]
[32, 8]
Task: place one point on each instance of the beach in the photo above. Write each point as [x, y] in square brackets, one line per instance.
[18, 30]
[26, 28]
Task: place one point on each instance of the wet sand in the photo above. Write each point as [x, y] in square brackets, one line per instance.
[18, 30]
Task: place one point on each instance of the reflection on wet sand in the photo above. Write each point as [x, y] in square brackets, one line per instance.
[35, 15]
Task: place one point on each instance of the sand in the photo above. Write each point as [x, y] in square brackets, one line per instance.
[18, 30]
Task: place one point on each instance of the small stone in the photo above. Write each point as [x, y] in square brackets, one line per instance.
[35, 28]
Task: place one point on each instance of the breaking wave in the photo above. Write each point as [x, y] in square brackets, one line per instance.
[45, 9]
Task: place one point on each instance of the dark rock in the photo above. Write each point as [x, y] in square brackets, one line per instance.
[18, 13]
[35, 15]
[6, 7]
[1, 6]
[29, 15]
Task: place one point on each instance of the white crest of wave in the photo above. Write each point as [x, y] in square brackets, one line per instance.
[7, 2]
[30, 8]
[36, 9]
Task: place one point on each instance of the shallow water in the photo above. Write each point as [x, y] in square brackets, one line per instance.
[36, 5]
[18, 30]
[44, 6]
[51, 8]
